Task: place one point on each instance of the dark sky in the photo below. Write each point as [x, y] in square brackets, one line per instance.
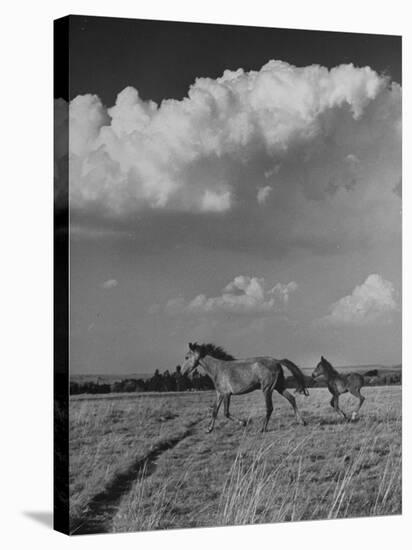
[161, 59]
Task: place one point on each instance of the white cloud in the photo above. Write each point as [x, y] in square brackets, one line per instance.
[110, 283]
[263, 193]
[272, 171]
[282, 292]
[180, 154]
[215, 202]
[351, 158]
[243, 295]
[369, 303]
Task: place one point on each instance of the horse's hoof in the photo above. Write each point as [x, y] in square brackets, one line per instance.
[208, 430]
[354, 416]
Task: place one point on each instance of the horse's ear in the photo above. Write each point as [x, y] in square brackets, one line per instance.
[322, 358]
[190, 345]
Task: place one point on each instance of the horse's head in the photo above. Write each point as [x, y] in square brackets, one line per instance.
[192, 359]
[319, 369]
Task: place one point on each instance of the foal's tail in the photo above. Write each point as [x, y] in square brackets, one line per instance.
[298, 375]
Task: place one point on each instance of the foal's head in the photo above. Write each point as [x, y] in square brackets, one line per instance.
[320, 368]
[192, 358]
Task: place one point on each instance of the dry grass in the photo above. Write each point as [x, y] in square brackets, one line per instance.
[107, 436]
[233, 476]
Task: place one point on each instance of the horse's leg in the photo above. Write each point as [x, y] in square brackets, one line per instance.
[335, 405]
[226, 404]
[292, 401]
[356, 392]
[215, 410]
[269, 409]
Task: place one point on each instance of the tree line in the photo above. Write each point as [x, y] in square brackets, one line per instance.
[176, 381]
[159, 382]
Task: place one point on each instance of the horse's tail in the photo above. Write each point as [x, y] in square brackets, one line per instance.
[298, 375]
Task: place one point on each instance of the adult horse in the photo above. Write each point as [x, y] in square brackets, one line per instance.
[237, 377]
[340, 383]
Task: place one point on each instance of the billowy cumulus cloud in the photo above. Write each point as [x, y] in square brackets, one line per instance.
[307, 156]
[244, 296]
[371, 302]
[110, 283]
[263, 193]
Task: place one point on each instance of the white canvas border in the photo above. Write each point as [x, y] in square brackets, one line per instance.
[27, 269]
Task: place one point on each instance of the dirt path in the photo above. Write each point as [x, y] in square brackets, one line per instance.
[104, 505]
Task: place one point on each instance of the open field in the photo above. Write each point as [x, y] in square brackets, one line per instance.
[144, 461]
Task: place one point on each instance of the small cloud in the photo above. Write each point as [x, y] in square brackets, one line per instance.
[272, 171]
[243, 295]
[110, 283]
[263, 193]
[369, 303]
[215, 202]
[283, 291]
[352, 159]
[175, 305]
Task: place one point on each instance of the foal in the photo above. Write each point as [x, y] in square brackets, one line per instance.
[340, 383]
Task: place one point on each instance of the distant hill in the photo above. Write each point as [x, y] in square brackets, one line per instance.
[384, 369]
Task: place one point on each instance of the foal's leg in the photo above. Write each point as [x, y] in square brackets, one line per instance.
[269, 409]
[292, 401]
[226, 403]
[215, 410]
[356, 392]
[335, 404]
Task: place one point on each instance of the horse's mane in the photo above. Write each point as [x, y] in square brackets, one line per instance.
[215, 351]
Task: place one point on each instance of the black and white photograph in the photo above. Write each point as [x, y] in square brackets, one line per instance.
[227, 275]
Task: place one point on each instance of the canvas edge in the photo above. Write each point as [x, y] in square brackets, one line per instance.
[61, 518]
